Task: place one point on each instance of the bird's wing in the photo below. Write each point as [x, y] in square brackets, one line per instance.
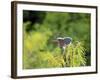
[67, 40]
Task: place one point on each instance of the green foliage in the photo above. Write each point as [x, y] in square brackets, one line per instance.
[41, 52]
[36, 57]
[75, 55]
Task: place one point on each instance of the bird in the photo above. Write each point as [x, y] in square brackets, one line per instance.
[63, 42]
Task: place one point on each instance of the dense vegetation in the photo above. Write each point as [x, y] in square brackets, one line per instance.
[41, 28]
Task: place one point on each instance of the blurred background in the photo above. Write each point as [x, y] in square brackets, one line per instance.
[40, 28]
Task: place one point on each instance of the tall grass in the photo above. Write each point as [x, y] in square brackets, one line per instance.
[75, 55]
